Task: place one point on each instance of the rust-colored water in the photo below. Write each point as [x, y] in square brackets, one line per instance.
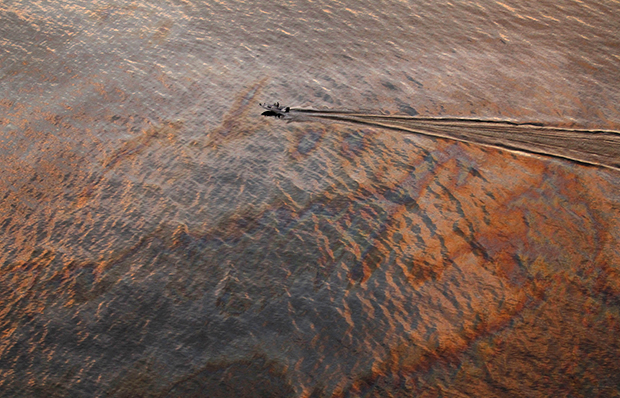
[160, 238]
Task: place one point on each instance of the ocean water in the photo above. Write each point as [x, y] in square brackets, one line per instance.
[160, 238]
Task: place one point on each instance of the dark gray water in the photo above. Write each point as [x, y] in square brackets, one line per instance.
[160, 238]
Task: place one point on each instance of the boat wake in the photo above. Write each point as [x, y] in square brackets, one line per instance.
[589, 147]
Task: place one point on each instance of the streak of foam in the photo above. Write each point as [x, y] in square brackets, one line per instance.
[591, 147]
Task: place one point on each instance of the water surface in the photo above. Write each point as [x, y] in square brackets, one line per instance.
[160, 238]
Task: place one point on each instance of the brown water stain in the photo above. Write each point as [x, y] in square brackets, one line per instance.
[165, 133]
[236, 124]
[420, 261]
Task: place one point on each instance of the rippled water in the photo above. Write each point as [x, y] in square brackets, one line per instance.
[160, 238]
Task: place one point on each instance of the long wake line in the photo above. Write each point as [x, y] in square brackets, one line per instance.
[590, 147]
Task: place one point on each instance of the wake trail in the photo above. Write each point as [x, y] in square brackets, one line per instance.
[590, 147]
